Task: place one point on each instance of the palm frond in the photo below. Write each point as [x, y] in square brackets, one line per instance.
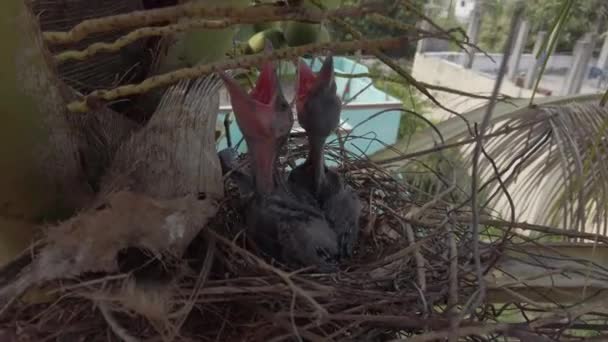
[549, 45]
[174, 154]
[550, 157]
[555, 169]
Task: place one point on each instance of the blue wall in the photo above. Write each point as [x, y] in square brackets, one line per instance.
[384, 127]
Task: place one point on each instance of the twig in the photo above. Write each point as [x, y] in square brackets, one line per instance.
[114, 325]
[399, 80]
[417, 212]
[544, 229]
[460, 332]
[320, 311]
[197, 10]
[420, 262]
[453, 280]
[292, 319]
[241, 62]
[140, 33]
[398, 69]
[502, 131]
[569, 315]
[200, 283]
[409, 233]
[186, 25]
[415, 10]
[475, 163]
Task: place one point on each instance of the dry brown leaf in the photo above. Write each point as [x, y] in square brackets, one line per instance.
[91, 241]
[160, 190]
[174, 154]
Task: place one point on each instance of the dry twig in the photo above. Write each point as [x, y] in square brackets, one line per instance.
[241, 62]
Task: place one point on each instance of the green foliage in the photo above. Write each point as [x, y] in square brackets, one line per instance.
[495, 23]
[549, 45]
[449, 23]
[546, 238]
[396, 11]
[585, 16]
[433, 172]
[285, 33]
[492, 234]
[412, 101]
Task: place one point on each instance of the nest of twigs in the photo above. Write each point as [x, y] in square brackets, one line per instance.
[401, 281]
[417, 269]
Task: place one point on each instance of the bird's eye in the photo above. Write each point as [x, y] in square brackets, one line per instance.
[325, 255]
[282, 105]
[322, 253]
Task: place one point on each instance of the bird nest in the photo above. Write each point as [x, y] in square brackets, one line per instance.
[407, 272]
[416, 269]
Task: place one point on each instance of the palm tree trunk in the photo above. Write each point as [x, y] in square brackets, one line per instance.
[40, 173]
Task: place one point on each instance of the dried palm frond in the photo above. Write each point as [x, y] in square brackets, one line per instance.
[417, 268]
[174, 154]
[555, 168]
[409, 275]
[549, 157]
[151, 197]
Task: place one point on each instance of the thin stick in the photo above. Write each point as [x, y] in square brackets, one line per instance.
[114, 325]
[140, 33]
[476, 154]
[502, 131]
[525, 226]
[241, 62]
[320, 311]
[197, 10]
[377, 51]
[200, 283]
[453, 281]
[409, 232]
[460, 332]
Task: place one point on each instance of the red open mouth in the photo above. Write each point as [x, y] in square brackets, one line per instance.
[308, 81]
[266, 85]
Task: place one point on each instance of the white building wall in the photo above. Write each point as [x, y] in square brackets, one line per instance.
[463, 9]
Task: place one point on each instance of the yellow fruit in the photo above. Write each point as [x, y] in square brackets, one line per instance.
[256, 42]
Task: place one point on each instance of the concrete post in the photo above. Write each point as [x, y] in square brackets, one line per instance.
[534, 68]
[602, 61]
[423, 43]
[578, 72]
[582, 75]
[518, 49]
[473, 34]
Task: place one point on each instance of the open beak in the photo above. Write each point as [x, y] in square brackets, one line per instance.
[256, 116]
[313, 115]
[309, 83]
[254, 112]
